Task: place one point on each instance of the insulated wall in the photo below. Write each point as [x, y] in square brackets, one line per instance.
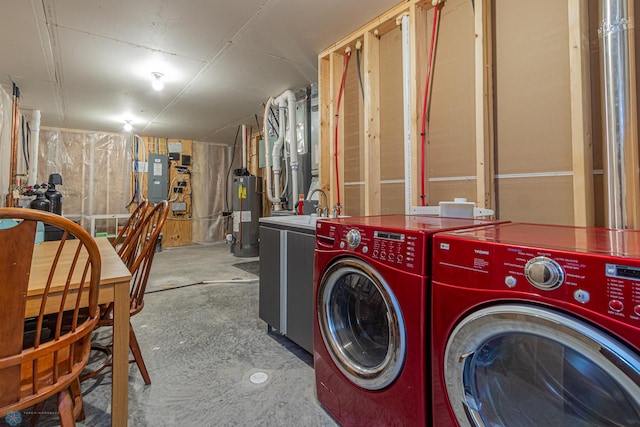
[391, 128]
[95, 169]
[532, 109]
[211, 169]
[450, 160]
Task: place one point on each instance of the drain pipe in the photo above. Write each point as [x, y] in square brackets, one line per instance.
[287, 101]
[277, 160]
[293, 145]
[615, 42]
[267, 156]
[35, 143]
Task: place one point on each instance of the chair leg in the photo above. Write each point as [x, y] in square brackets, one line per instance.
[65, 409]
[76, 395]
[137, 355]
[37, 410]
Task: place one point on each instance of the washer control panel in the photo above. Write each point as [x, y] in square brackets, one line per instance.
[543, 273]
[400, 249]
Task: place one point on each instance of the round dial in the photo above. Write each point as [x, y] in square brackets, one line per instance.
[544, 273]
[353, 238]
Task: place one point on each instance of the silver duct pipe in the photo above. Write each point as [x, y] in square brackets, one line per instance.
[615, 42]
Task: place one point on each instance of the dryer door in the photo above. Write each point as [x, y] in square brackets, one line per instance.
[361, 323]
[511, 365]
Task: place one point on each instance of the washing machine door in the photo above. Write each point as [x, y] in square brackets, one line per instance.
[516, 365]
[361, 324]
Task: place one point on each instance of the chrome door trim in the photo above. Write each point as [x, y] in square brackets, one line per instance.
[387, 371]
[475, 329]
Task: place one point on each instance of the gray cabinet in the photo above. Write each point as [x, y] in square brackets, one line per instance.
[286, 280]
[300, 288]
[269, 292]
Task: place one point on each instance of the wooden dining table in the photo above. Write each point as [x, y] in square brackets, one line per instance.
[114, 287]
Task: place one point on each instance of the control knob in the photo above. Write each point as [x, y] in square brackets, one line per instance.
[353, 238]
[544, 273]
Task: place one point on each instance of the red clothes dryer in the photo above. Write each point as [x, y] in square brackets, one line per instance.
[536, 325]
[371, 281]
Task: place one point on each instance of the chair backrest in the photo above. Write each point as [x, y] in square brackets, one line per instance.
[126, 235]
[148, 233]
[46, 317]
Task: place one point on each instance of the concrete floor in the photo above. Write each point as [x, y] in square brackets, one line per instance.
[202, 343]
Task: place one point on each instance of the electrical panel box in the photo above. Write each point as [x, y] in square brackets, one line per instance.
[158, 183]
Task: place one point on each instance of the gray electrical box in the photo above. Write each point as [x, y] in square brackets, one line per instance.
[158, 183]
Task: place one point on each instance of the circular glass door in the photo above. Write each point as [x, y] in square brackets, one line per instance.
[361, 324]
[521, 365]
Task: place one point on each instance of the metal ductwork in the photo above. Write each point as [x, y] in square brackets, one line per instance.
[618, 100]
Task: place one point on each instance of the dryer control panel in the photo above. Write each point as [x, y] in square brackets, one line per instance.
[402, 249]
[607, 285]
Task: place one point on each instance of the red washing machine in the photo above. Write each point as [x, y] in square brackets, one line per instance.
[536, 325]
[370, 326]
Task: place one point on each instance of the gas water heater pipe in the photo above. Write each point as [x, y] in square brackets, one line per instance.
[35, 142]
[244, 146]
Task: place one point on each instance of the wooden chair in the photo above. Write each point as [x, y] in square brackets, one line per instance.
[142, 254]
[48, 361]
[127, 234]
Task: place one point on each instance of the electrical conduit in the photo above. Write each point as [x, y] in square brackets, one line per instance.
[336, 127]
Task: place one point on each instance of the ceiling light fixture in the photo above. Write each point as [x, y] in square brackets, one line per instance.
[127, 126]
[157, 82]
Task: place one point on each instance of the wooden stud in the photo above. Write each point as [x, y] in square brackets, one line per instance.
[485, 185]
[324, 128]
[372, 203]
[580, 86]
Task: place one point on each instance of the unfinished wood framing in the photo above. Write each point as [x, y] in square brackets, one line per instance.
[485, 191]
[513, 111]
[583, 208]
[371, 67]
[177, 228]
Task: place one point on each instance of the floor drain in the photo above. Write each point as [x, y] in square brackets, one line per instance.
[258, 378]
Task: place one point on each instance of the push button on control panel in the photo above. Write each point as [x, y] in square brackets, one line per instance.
[510, 281]
[636, 309]
[616, 305]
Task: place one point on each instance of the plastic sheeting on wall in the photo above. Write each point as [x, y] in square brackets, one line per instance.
[211, 179]
[95, 169]
[5, 143]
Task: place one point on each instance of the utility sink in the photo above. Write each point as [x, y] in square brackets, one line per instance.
[300, 221]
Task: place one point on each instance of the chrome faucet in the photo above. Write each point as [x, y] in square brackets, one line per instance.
[321, 212]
